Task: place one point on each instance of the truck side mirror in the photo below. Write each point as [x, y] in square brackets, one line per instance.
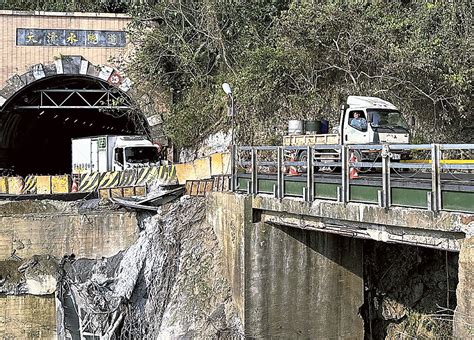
[118, 155]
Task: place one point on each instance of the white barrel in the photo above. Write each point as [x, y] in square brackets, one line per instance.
[296, 127]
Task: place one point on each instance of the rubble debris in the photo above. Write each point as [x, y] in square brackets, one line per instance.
[169, 284]
[151, 202]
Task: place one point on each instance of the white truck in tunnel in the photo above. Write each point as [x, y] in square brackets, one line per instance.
[112, 153]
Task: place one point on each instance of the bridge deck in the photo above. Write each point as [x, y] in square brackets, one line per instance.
[408, 189]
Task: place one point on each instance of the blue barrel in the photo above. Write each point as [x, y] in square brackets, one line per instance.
[324, 126]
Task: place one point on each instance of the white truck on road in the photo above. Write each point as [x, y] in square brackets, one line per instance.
[364, 120]
[112, 153]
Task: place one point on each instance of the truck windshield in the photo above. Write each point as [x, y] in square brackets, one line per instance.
[141, 154]
[387, 119]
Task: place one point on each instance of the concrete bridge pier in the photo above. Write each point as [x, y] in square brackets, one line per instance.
[289, 282]
[302, 283]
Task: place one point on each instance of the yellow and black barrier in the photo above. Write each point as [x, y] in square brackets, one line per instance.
[128, 178]
[3, 185]
[89, 182]
[30, 185]
[146, 175]
[122, 180]
[109, 179]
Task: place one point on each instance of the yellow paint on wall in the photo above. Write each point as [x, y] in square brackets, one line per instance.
[43, 184]
[60, 184]
[3, 185]
[104, 193]
[202, 168]
[116, 192]
[15, 185]
[184, 172]
[216, 164]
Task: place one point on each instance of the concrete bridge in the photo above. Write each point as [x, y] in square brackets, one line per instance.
[300, 268]
[299, 248]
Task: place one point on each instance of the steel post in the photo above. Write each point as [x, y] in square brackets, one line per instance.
[386, 201]
[233, 176]
[345, 174]
[435, 177]
[279, 191]
[309, 175]
[254, 188]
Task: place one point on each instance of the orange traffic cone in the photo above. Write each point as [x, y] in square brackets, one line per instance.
[74, 185]
[353, 173]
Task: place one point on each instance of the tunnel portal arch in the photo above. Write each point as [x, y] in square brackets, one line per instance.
[41, 110]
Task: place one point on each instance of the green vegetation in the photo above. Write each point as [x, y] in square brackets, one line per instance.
[295, 59]
[299, 59]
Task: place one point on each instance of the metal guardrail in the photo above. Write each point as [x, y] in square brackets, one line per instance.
[253, 158]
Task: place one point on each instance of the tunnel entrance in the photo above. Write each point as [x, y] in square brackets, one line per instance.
[38, 122]
[410, 292]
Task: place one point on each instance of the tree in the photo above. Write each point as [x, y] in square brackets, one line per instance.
[297, 59]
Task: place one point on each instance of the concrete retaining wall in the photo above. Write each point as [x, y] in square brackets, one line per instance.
[230, 216]
[34, 228]
[54, 229]
[27, 317]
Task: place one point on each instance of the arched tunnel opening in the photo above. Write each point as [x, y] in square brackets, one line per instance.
[38, 122]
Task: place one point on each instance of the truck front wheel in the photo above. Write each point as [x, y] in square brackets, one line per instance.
[303, 157]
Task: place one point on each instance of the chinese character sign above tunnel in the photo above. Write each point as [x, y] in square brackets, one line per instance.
[67, 37]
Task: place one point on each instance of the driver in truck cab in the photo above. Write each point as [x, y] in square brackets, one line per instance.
[358, 122]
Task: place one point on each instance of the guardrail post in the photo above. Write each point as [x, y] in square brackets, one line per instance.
[435, 177]
[309, 175]
[279, 188]
[233, 176]
[254, 188]
[386, 190]
[345, 174]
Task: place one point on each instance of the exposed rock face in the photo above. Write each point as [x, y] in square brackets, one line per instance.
[169, 284]
[410, 291]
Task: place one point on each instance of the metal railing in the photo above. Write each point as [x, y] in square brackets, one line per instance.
[252, 162]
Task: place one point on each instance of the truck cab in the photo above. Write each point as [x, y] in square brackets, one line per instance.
[134, 152]
[371, 120]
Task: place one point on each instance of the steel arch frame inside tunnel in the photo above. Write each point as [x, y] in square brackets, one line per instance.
[38, 121]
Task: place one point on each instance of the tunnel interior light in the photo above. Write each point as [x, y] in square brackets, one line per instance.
[41, 113]
[67, 118]
[55, 116]
[75, 121]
